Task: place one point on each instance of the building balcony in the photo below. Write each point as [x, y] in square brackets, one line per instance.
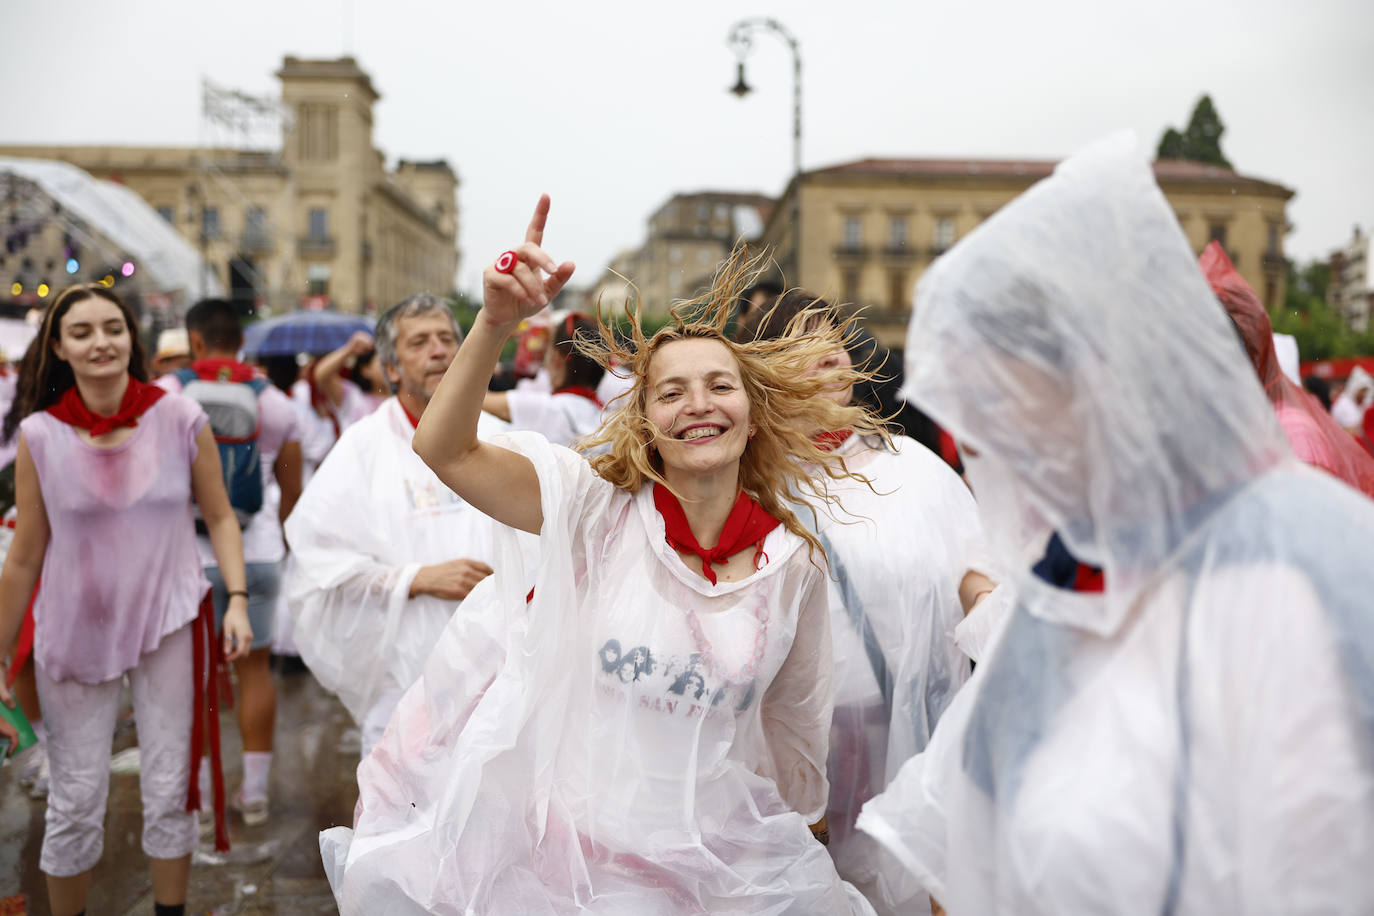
[900, 253]
[316, 245]
[255, 242]
[1273, 260]
[851, 252]
[937, 250]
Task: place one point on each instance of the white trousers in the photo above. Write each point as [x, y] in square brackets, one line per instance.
[80, 720]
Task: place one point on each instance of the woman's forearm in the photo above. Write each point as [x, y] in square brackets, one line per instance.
[16, 586]
[227, 541]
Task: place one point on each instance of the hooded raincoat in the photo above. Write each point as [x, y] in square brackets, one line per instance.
[1198, 737]
[898, 551]
[1316, 438]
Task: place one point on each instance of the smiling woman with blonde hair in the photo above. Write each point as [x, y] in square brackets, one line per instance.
[645, 731]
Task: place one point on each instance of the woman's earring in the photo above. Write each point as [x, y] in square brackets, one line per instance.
[751, 433]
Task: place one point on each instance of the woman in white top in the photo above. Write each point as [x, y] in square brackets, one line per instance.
[652, 738]
[571, 409]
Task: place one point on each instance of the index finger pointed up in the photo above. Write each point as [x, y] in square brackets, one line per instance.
[535, 233]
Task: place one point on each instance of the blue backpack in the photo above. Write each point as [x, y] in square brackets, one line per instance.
[235, 422]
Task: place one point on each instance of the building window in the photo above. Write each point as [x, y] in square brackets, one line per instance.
[168, 213]
[674, 254]
[849, 281]
[896, 233]
[722, 211]
[1271, 292]
[1216, 232]
[209, 222]
[317, 280]
[944, 233]
[318, 223]
[853, 233]
[896, 290]
[1273, 248]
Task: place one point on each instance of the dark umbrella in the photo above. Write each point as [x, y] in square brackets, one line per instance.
[314, 332]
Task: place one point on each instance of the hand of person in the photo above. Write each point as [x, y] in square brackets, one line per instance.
[449, 581]
[237, 631]
[361, 342]
[507, 298]
[5, 696]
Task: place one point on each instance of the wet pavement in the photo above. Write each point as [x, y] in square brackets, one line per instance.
[271, 870]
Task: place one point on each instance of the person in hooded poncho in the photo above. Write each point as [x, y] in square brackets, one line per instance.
[904, 546]
[1185, 722]
[652, 739]
[1314, 436]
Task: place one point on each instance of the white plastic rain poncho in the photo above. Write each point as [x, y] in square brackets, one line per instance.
[372, 515]
[897, 553]
[652, 743]
[1199, 737]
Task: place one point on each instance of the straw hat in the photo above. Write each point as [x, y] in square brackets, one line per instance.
[172, 342]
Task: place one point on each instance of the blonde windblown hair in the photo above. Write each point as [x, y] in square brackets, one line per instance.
[786, 404]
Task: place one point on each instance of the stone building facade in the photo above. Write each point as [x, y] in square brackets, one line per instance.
[869, 228]
[320, 220]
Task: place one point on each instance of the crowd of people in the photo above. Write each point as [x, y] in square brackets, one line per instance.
[714, 618]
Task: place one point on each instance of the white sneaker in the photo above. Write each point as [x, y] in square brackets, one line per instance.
[253, 812]
[33, 773]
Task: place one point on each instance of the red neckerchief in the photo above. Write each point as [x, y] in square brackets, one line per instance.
[1088, 579]
[207, 660]
[414, 420]
[582, 391]
[828, 442]
[747, 524]
[138, 397]
[223, 370]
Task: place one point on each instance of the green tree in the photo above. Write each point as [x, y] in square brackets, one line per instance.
[1200, 140]
[1320, 331]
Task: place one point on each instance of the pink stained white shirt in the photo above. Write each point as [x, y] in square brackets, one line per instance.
[121, 569]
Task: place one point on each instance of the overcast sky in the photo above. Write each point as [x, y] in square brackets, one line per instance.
[612, 107]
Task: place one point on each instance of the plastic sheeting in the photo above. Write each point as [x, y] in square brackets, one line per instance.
[898, 553]
[651, 743]
[1199, 737]
[372, 515]
[1314, 436]
[125, 219]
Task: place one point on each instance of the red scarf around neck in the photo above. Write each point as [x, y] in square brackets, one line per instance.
[218, 369]
[828, 442]
[582, 391]
[414, 420]
[138, 397]
[748, 523]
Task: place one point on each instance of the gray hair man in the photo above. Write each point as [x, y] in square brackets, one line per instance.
[384, 551]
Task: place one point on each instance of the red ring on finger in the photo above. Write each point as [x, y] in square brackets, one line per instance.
[506, 262]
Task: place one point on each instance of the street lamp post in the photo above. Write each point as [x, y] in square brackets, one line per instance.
[741, 41]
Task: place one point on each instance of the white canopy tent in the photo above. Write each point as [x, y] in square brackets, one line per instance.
[118, 214]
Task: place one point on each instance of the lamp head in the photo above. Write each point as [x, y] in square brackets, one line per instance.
[741, 88]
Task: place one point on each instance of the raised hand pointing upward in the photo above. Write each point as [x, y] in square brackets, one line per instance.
[525, 279]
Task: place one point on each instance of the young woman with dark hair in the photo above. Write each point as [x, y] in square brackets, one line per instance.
[107, 468]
